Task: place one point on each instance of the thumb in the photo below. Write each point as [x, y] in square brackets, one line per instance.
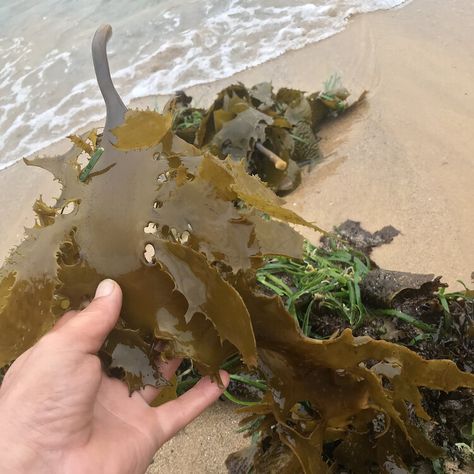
[89, 328]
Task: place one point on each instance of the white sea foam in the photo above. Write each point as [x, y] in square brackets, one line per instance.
[47, 85]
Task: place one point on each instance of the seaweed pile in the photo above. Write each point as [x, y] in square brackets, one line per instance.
[337, 286]
[273, 134]
[185, 234]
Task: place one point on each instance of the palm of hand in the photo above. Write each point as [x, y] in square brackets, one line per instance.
[68, 416]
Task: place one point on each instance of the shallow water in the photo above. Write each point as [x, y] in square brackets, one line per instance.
[47, 84]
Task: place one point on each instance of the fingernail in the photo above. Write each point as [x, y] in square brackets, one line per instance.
[105, 288]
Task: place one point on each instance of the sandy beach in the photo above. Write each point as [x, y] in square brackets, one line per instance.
[405, 158]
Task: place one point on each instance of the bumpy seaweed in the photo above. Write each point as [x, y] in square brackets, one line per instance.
[183, 233]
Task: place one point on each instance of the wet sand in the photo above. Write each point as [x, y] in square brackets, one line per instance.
[404, 158]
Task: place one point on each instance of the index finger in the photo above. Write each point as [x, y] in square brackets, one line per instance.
[172, 416]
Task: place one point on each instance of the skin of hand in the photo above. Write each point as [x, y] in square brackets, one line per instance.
[60, 413]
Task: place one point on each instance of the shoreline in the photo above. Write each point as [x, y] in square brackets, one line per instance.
[190, 81]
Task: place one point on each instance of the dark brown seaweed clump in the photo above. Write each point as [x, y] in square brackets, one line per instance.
[184, 233]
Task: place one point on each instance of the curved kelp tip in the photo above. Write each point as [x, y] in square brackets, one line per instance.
[115, 107]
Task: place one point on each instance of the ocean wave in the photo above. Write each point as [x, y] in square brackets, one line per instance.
[47, 86]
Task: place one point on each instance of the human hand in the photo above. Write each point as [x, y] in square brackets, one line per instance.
[60, 413]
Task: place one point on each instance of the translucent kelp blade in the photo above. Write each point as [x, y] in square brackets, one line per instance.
[214, 225]
[59, 265]
[131, 359]
[238, 136]
[28, 282]
[277, 238]
[251, 190]
[142, 129]
[22, 321]
[234, 179]
[207, 293]
[65, 169]
[207, 129]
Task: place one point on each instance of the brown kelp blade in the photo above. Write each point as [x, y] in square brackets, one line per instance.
[341, 379]
[62, 259]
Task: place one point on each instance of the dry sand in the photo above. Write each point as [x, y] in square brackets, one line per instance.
[203, 446]
[405, 158]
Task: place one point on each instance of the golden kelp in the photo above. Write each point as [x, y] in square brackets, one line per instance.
[183, 234]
